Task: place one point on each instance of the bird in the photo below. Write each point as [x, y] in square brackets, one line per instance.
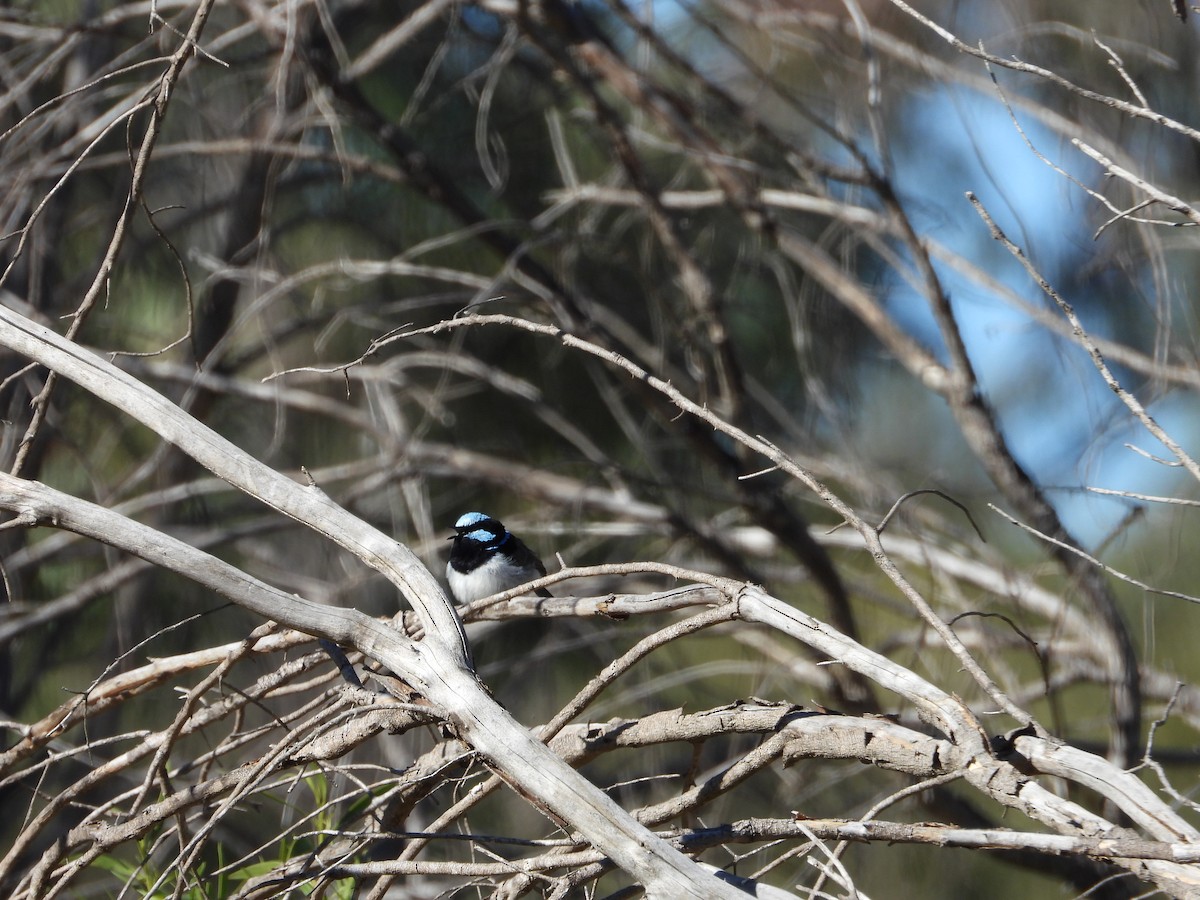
[486, 558]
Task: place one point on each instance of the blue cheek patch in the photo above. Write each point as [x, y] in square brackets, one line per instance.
[482, 536]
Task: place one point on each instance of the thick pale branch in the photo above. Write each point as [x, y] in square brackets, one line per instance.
[764, 447]
[437, 666]
[308, 505]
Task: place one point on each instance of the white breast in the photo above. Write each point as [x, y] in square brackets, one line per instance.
[494, 576]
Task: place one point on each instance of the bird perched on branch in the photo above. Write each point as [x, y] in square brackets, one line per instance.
[486, 558]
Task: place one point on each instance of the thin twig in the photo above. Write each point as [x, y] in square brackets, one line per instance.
[1128, 579]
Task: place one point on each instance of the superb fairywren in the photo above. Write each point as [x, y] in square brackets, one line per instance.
[486, 558]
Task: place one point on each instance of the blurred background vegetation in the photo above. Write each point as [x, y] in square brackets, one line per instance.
[684, 184]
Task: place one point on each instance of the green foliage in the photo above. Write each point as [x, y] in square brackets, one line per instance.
[151, 882]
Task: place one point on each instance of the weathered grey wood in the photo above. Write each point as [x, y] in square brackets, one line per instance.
[438, 666]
